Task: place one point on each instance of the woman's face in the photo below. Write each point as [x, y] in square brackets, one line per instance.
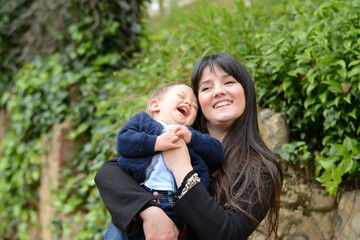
[221, 98]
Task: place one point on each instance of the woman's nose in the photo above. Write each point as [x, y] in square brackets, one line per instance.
[218, 91]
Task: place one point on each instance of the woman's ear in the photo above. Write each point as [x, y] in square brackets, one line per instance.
[154, 105]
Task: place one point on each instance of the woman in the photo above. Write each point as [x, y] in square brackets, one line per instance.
[243, 190]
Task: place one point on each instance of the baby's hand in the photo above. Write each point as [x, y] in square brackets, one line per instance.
[183, 132]
[166, 141]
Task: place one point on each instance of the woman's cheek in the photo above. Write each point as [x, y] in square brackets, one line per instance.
[203, 101]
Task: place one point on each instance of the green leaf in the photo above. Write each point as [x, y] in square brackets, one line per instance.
[342, 73]
[334, 86]
[323, 96]
[326, 139]
[341, 63]
[354, 62]
[337, 100]
[326, 163]
[347, 143]
[311, 87]
[347, 98]
[354, 71]
[309, 101]
[80, 129]
[347, 164]
[324, 178]
[337, 174]
[347, 44]
[353, 113]
[331, 187]
[340, 149]
[285, 85]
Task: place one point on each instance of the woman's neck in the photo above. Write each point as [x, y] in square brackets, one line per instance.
[217, 132]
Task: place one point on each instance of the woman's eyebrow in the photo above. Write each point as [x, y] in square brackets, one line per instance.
[225, 76]
[203, 82]
[209, 80]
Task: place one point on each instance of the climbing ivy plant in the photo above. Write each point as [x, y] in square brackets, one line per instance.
[309, 68]
[57, 56]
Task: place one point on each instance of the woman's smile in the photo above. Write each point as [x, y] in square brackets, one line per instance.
[222, 104]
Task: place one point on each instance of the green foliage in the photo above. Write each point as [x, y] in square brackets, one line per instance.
[86, 33]
[19, 178]
[297, 153]
[58, 76]
[307, 66]
[337, 160]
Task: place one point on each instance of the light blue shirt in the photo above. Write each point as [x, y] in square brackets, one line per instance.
[158, 177]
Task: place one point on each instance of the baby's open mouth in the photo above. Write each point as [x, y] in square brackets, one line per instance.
[184, 111]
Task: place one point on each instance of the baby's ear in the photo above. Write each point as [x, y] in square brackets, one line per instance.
[154, 106]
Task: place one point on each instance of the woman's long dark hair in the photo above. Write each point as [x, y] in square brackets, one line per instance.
[250, 169]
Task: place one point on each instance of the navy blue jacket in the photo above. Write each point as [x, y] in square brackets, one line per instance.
[136, 143]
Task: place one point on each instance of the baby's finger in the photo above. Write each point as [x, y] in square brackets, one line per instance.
[180, 132]
[174, 138]
[176, 129]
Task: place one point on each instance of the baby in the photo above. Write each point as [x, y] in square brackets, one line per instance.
[172, 109]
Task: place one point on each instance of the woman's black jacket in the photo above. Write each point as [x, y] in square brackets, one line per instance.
[124, 197]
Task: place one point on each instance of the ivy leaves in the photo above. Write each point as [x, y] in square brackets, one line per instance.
[337, 160]
[74, 46]
[309, 68]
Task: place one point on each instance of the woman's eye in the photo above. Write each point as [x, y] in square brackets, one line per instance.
[205, 89]
[230, 82]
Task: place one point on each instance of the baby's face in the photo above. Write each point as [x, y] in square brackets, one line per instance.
[178, 106]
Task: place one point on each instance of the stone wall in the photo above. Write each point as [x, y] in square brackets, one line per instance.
[307, 211]
[348, 216]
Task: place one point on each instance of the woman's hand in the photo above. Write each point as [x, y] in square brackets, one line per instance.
[166, 141]
[178, 161]
[157, 225]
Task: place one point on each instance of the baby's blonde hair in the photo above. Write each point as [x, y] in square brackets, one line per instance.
[160, 93]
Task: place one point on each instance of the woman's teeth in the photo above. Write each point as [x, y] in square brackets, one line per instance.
[221, 104]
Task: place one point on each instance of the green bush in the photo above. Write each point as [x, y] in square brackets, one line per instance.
[308, 66]
[55, 74]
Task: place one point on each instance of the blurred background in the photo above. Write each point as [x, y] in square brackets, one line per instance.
[73, 72]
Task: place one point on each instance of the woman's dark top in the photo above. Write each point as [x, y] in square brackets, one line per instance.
[208, 220]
